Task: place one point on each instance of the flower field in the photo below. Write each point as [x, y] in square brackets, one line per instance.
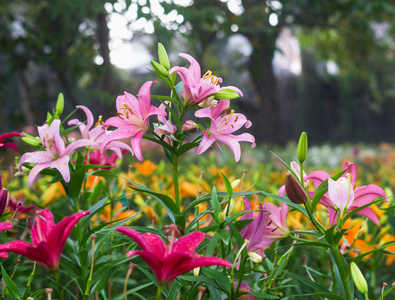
[136, 212]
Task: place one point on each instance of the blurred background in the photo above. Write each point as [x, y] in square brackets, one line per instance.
[325, 66]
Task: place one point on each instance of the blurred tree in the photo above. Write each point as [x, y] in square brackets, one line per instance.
[342, 27]
[61, 40]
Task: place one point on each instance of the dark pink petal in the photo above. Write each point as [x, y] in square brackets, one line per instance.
[156, 264]
[5, 226]
[27, 250]
[155, 243]
[136, 236]
[195, 263]
[43, 224]
[7, 135]
[188, 243]
[58, 236]
[11, 146]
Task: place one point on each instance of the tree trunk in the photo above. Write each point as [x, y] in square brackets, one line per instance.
[266, 117]
[103, 35]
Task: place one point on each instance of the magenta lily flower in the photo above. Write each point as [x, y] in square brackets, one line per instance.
[344, 197]
[133, 118]
[3, 198]
[222, 127]
[4, 226]
[255, 231]
[5, 136]
[244, 288]
[196, 87]
[168, 262]
[55, 155]
[98, 133]
[48, 239]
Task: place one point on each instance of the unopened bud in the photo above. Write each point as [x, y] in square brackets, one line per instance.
[59, 104]
[163, 58]
[196, 271]
[159, 68]
[221, 217]
[295, 192]
[227, 94]
[359, 279]
[302, 147]
[235, 183]
[190, 126]
[3, 199]
[31, 140]
[231, 204]
[255, 257]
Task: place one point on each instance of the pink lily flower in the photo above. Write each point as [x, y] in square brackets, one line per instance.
[55, 155]
[48, 239]
[196, 87]
[344, 196]
[222, 127]
[4, 226]
[277, 227]
[133, 118]
[98, 133]
[168, 262]
[166, 128]
[5, 136]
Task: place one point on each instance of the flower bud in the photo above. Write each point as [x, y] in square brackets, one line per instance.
[159, 68]
[231, 204]
[190, 126]
[295, 192]
[227, 94]
[196, 271]
[359, 279]
[31, 140]
[235, 183]
[302, 147]
[3, 199]
[59, 104]
[221, 217]
[255, 257]
[163, 58]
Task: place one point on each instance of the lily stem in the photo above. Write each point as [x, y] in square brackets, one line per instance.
[176, 186]
[58, 284]
[159, 292]
[337, 255]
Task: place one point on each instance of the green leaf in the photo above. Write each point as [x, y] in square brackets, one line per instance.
[322, 296]
[308, 282]
[185, 148]
[260, 295]
[224, 235]
[9, 285]
[215, 203]
[228, 185]
[75, 184]
[212, 244]
[219, 277]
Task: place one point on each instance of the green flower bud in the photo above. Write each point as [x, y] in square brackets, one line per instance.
[60, 104]
[227, 94]
[31, 140]
[221, 217]
[295, 191]
[359, 279]
[163, 58]
[302, 147]
[235, 183]
[159, 68]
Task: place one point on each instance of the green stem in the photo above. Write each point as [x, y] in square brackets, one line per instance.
[337, 255]
[159, 292]
[58, 284]
[29, 282]
[175, 180]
